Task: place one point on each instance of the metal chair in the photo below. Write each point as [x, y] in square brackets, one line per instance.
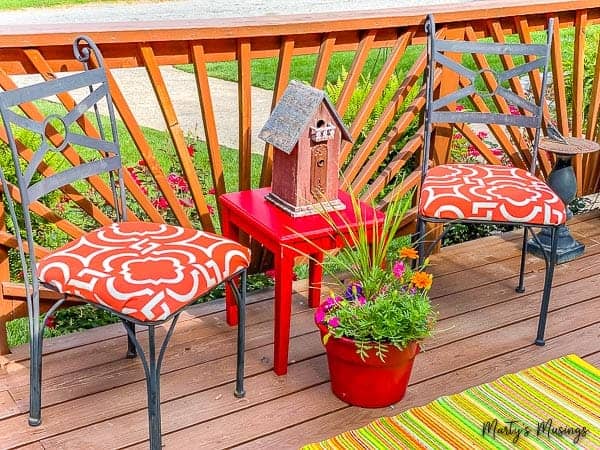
[489, 193]
[145, 273]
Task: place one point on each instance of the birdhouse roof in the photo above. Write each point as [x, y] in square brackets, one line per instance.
[292, 114]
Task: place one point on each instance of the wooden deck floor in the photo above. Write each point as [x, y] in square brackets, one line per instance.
[93, 398]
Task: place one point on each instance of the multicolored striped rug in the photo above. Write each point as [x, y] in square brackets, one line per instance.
[552, 406]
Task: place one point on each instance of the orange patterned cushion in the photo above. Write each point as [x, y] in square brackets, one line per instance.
[147, 271]
[489, 193]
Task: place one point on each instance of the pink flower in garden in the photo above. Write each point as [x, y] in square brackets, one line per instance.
[212, 191]
[144, 189]
[514, 110]
[398, 269]
[191, 149]
[497, 151]
[334, 322]
[482, 134]
[51, 322]
[186, 202]
[459, 108]
[472, 151]
[331, 301]
[161, 203]
[211, 210]
[141, 162]
[361, 300]
[458, 136]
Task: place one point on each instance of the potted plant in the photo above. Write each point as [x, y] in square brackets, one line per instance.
[372, 329]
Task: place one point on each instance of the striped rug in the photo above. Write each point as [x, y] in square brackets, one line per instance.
[552, 406]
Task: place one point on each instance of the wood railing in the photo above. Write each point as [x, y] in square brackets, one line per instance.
[387, 152]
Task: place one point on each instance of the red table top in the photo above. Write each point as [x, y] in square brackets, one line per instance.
[259, 212]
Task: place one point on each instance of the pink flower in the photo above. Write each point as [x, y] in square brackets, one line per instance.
[186, 202]
[212, 191]
[141, 162]
[320, 316]
[161, 203]
[144, 189]
[514, 110]
[330, 302]
[472, 151]
[497, 151]
[334, 322]
[191, 149]
[51, 322]
[398, 269]
[459, 108]
[482, 134]
[361, 300]
[211, 210]
[457, 136]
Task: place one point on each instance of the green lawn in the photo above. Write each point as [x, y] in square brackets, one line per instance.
[19, 4]
[264, 70]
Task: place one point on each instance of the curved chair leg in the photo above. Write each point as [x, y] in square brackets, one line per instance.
[152, 363]
[131, 350]
[521, 286]
[35, 364]
[240, 297]
[550, 263]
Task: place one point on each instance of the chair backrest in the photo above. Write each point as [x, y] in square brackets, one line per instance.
[452, 55]
[39, 141]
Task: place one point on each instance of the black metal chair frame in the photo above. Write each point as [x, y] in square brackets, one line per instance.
[436, 111]
[95, 79]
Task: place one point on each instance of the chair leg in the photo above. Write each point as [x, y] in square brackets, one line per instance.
[521, 286]
[421, 241]
[152, 364]
[241, 337]
[35, 373]
[550, 263]
[131, 350]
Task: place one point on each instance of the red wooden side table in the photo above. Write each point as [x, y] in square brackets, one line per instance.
[287, 237]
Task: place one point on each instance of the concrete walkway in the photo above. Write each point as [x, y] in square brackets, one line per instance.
[138, 91]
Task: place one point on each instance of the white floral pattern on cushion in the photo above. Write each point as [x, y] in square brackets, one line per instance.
[147, 271]
[490, 193]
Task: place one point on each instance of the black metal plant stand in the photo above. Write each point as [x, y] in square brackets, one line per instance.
[562, 181]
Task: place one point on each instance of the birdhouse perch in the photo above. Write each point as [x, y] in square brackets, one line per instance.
[306, 133]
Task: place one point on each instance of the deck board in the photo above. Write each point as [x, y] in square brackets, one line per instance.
[94, 398]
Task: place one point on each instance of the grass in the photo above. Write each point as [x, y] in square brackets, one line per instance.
[20, 4]
[264, 70]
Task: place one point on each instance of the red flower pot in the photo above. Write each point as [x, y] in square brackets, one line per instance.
[371, 383]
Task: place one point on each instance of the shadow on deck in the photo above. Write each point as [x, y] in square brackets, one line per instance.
[94, 398]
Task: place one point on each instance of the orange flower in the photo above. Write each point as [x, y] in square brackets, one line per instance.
[422, 280]
[408, 252]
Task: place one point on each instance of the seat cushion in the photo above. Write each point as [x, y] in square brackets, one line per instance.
[489, 193]
[147, 271]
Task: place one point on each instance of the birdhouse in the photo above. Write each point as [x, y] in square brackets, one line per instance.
[306, 133]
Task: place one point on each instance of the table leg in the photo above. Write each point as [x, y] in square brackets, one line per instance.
[315, 277]
[229, 231]
[284, 265]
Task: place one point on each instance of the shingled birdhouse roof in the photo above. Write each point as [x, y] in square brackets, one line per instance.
[292, 115]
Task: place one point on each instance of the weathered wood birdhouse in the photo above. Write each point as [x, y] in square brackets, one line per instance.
[306, 133]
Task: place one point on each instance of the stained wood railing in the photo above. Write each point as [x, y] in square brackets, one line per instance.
[381, 156]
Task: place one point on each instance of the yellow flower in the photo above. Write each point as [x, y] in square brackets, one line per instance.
[408, 252]
[422, 280]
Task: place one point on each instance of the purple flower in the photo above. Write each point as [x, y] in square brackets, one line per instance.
[353, 291]
[320, 315]
[398, 269]
[334, 322]
[330, 302]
